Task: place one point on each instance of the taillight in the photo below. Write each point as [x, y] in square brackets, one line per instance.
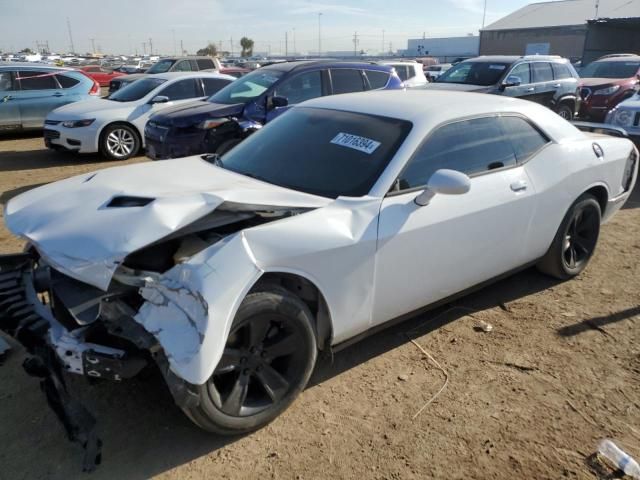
[95, 89]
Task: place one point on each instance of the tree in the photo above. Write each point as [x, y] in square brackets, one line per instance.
[210, 50]
[247, 47]
[27, 50]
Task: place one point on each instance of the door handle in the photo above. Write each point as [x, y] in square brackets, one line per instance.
[57, 94]
[6, 98]
[519, 185]
[531, 89]
[557, 85]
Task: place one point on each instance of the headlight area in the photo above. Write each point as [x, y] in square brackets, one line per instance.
[69, 326]
[78, 123]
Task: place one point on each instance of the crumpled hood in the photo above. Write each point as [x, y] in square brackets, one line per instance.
[73, 227]
[631, 103]
[461, 87]
[193, 113]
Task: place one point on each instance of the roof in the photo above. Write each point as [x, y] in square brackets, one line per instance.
[36, 66]
[300, 64]
[415, 105]
[564, 13]
[515, 58]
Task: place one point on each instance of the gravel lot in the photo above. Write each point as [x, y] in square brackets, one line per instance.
[531, 399]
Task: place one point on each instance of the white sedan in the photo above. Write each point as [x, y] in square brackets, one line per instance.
[342, 215]
[114, 125]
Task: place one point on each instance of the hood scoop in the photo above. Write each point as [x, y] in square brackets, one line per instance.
[125, 201]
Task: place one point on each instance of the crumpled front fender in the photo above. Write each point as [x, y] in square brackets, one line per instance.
[191, 330]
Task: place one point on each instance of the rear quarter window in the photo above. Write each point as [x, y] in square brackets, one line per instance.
[6, 83]
[560, 71]
[525, 138]
[377, 79]
[542, 72]
[67, 81]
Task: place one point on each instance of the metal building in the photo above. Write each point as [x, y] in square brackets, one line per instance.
[566, 28]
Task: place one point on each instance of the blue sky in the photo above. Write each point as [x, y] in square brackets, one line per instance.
[122, 25]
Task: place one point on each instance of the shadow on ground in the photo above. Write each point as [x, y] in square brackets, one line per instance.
[145, 434]
[597, 323]
[11, 161]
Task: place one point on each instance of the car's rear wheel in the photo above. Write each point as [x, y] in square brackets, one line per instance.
[565, 111]
[267, 361]
[575, 240]
[119, 142]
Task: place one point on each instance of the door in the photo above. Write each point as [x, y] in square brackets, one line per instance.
[297, 89]
[457, 241]
[526, 89]
[9, 109]
[543, 78]
[39, 93]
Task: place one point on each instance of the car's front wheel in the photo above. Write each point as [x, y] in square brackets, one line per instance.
[565, 111]
[575, 240]
[119, 142]
[267, 361]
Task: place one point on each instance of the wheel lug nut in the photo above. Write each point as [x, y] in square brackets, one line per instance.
[245, 371]
[243, 360]
[252, 350]
[263, 354]
[259, 368]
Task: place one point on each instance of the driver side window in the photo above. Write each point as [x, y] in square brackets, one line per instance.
[523, 72]
[470, 146]
[301, 87]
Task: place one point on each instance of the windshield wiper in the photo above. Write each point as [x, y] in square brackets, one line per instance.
[213, 158]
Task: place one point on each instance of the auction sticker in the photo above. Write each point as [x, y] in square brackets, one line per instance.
[356, 142]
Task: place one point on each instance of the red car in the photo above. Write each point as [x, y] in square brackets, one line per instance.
[100, 75]
[234, 71]
[605, 83]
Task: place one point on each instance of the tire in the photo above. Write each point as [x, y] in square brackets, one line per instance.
[575, 240]
[565, 111]
[227, 145]
[119, 141]
[269, 356]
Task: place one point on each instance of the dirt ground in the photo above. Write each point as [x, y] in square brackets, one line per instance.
[531, 399]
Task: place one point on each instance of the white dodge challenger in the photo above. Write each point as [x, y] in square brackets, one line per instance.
[344, 214]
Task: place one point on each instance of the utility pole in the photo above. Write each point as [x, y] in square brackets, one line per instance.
[73, 49]
[231, 47]
[355, 44]
[150, 46]
[93, 45]
[319, 35]
[382, 51]
[144, 48]
[286, 44]
[181, 48]
[484, 12]
[597, 7]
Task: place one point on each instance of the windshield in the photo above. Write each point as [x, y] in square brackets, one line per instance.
[331, 153]
[136, 90]
[474, 73]
[247, 88]
[160, 67]
[610, 70]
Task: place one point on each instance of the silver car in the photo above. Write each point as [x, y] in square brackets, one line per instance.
[29, 92]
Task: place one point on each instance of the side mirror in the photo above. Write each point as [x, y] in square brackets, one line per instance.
[444, 182]
[159, 99]
[512, 81]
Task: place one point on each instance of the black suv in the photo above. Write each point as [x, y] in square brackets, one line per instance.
[549, 80]
[170, 64]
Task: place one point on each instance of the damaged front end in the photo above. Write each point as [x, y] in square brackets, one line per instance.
[153, 313]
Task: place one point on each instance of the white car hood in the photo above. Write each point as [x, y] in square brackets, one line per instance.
[86, 108]
[72, 227]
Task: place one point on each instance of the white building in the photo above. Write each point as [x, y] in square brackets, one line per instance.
[446, 49]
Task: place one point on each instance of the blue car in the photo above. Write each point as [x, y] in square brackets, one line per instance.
[28, 92]
[222, 121]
